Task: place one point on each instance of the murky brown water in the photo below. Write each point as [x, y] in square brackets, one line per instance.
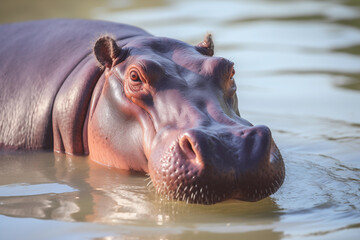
[298, 71]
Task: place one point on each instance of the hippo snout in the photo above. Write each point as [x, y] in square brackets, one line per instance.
[207, 166]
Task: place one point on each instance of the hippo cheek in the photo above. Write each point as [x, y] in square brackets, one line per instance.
[207, 167]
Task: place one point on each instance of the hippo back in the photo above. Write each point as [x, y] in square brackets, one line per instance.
[36, 60]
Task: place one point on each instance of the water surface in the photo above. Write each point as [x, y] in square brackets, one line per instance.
[297, 71]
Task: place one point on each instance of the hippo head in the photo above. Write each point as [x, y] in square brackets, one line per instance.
[170, 109]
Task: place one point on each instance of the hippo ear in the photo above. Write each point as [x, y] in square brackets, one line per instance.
[106, 51]
[206, 47]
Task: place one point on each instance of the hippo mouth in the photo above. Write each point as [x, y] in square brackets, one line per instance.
[210, 172]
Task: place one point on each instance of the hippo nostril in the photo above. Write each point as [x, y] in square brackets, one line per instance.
[187, 147]
[192, 154]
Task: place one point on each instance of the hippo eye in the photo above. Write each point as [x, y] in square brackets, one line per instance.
[230, 85]
[232, 73]
[232, 80]
[134, 76]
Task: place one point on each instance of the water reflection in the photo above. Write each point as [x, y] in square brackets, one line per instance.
[83, 191]
[98, 194]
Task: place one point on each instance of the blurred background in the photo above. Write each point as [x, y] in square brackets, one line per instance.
[297, 70]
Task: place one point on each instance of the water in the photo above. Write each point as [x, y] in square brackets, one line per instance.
[297, 70]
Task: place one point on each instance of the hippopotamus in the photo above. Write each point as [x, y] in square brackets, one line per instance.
[134, 101]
